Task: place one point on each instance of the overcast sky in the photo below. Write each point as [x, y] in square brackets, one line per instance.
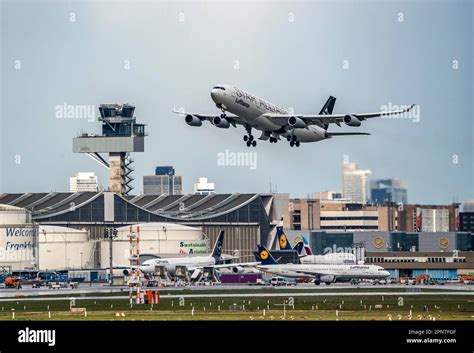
[160, 55]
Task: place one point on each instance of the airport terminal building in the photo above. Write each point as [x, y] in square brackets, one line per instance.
[247, 219]
[71, 226]
[441, 255]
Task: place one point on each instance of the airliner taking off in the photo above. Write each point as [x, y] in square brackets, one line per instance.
[255, 113]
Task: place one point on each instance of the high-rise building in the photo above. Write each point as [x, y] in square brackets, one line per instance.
[354, 183]
[466, 218]
[203, 187]
[387, 190]
[83, 181]
[163, 182]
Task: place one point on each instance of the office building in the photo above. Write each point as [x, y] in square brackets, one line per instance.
[328, 195]
[387, 190]
[203, 187]
[355, 183]
[163, 182]
[341, 215]
[83, 181]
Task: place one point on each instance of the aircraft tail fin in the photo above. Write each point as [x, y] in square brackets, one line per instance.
[265, 257]
[217, 250]
[299, 247]
[328, 108]
[282, 240]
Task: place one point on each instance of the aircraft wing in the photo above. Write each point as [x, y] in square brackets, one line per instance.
[233, 119]
[326, 119]
[243, 264]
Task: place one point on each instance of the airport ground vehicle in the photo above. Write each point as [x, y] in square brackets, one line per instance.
[57, 285]
[12, 282]
[467, 279]
[407, 280]
[422, 279]
[280, 281]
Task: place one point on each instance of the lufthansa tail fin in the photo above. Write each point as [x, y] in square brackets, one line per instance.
[282, 240]
[217, 250]
[265, 257]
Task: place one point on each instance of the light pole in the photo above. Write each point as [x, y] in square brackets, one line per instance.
[81, 260]
[110, 233]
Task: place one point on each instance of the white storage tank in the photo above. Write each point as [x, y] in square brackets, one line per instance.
[160, 239]
[64, 248]
[16, 239]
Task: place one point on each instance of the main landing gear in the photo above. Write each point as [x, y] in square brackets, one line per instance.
[293, 140]
[249, 138]
[273, 140]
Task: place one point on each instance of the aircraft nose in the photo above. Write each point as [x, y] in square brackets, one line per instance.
[215, 94]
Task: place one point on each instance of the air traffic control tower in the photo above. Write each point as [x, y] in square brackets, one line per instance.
[121, 135]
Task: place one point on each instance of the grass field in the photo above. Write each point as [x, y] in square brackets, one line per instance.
[454, 307]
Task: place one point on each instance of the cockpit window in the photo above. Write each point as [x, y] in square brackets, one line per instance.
[219, 87]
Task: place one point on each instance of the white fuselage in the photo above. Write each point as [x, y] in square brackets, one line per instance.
[334, 272]
[170, 263]
[332, 258]
[251, 110]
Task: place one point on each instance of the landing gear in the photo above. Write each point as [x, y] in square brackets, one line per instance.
[273, 140]
[317, 283]
[293, 140]
[249, 138]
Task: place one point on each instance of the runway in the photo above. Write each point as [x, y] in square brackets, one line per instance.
[309, 290]
[251, 294]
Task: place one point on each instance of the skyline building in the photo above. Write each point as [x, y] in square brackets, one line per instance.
[387, 190]
[83, 181]
[355, 183]
[204, 187]
[163, 182]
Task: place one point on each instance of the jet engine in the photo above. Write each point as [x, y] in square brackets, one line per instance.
[223, 123]
[238, 269]
[352, 120]
[296, 122]
[193, 120]
[327, 279]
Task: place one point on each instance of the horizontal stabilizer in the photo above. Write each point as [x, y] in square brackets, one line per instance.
[332, 134]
